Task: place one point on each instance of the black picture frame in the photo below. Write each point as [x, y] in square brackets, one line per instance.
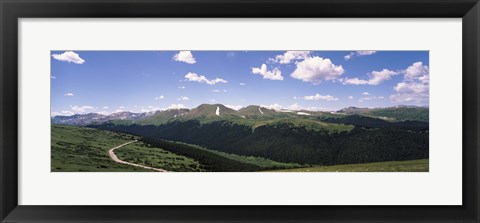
[11, 11]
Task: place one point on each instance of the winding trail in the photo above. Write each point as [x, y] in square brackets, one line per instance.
[116, 159]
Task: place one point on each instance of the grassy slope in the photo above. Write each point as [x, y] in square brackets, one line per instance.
[140, 153]
[309, 123]
[391, 166]
[77, 149]
[402, 113]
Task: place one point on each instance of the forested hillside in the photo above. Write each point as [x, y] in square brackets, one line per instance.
[371, 140]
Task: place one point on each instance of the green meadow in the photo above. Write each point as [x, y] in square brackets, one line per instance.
[391, 166]
[79, 149]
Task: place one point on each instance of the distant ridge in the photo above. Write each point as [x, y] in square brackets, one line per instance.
[220, 111]
[255, 110]
[210, 110]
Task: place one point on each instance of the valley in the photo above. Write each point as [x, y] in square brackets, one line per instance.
[215, 138]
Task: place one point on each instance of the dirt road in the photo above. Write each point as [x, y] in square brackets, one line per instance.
[114, 157]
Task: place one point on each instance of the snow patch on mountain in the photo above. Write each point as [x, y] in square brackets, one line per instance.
[217, 112]
[303, 113]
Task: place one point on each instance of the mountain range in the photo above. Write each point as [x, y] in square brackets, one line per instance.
[211, 112]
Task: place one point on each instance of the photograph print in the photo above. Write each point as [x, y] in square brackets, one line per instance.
[239, 111]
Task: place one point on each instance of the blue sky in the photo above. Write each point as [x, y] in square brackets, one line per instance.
[140, 81]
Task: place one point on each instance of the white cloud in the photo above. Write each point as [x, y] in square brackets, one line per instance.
[317, 69]
[365, 52]
[359, 54]
[150, 109]
[416, 71]
[176, 106]
[368, 97]
[412, 87]
[295, 106]
[213, 100]
[290, 56]
[105, 107]
[321, 97]
[69, 94]
[62, 113]
[350, 97]
[185, 56]
[202, 79]
[161, 97]
[69, 56]
[354, 81]
[183, 98]
[273, 106]
[53, 77]
[376, 78]
[424, 79]
[103, 112]
[349, 56]
[410, 91]
[416, 81]
[218, 91]
[181, 87]
[234, 107]
[82, 109]
[242, 84]
[415, 86]
[274, 74]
